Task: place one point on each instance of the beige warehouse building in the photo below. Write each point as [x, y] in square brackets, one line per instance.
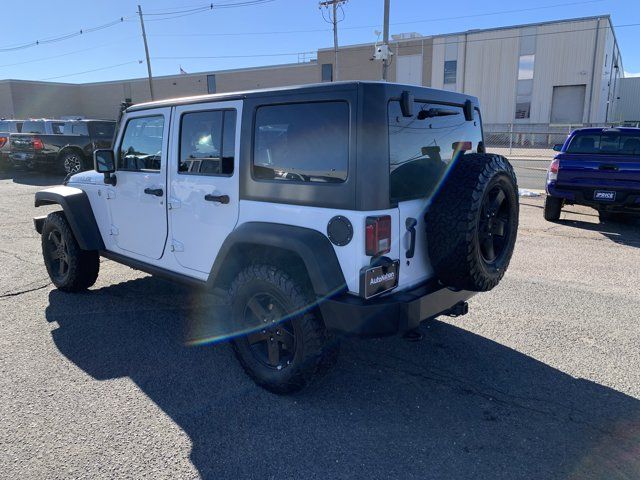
[552, 73]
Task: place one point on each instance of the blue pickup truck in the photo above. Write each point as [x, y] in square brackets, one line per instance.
[597, 167]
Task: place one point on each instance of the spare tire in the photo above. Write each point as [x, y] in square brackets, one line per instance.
[472, 222]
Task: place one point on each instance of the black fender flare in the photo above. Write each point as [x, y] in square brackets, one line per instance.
[312, 247]
[77, 210]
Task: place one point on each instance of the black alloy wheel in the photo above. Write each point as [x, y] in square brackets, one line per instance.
[57, 254]
[273, 344]
[494, 224]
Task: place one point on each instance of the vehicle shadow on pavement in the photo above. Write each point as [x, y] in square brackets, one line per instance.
[454, 406]
[627, 233]
[35, 178]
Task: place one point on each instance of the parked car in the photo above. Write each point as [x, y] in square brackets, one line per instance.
[7, 127]
[61, 145]
[597, 167]
[347, 208]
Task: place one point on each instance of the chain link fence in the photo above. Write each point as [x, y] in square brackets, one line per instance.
[529, 147]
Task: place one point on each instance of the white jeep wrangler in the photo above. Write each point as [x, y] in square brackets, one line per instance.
[357, 208]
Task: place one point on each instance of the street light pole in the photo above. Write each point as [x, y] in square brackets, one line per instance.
[385, 41]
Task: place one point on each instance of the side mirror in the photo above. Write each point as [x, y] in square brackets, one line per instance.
[557, 148]
[104, 162]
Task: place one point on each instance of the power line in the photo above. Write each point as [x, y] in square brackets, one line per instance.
[94, 70]
[50, 57]
[232, 56]
[431, 20]
[204, 8]
[62, 37]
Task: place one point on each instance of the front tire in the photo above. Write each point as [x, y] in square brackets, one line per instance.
[70, 268]
[284, 345]
[553, 208]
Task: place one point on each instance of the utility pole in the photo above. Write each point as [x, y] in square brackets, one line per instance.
[334, 4]
[385, 40]
[146, 51]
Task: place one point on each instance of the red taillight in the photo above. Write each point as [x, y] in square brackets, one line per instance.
[37, 144]
[555, 165]
[3, 140]
[378, 235]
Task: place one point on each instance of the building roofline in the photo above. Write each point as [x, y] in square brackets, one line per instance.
[206, 72]
[479, 30]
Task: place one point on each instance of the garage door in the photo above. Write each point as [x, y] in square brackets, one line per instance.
[409, 69]
[567, 106]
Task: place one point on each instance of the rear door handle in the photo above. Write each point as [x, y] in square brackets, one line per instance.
[608, 167]
[217, 198]
[154, 191]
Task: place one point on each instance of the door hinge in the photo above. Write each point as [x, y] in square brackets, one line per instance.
[173, 203]
[176, 246]
[114, 230]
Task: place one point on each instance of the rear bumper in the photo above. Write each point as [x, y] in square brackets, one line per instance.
[625, 199]
[391, 314]
[29, 158]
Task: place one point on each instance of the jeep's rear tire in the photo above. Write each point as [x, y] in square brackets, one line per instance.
[70, 268]
[286, 346]
[552, 208]
[472, 223]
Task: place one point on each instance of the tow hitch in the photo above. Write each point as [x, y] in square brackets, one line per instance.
[458, 310]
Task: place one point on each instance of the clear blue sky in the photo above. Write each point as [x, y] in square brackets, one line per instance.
[28, 21]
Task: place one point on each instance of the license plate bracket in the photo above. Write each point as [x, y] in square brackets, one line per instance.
[604, 195]
[379, 279]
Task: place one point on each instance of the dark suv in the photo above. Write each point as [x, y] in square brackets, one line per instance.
[597, 167]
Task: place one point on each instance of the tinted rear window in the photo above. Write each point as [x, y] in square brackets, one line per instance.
[302, 142]
[605, 143]
[102, 129]
[33, 127]
[11, 127]
[422, 147]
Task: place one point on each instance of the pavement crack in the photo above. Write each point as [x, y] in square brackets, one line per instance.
[22, 292]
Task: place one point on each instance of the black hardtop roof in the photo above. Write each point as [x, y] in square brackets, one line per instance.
[419, 92]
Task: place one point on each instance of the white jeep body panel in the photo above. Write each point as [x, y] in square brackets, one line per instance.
[182, 233]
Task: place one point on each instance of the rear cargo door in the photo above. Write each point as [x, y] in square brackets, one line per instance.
[422, 149]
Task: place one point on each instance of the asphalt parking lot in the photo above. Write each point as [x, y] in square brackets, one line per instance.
[540, 380]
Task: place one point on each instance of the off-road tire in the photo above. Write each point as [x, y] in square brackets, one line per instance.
[455, 226]
[82, 266]
[315, 350]
[553, 208]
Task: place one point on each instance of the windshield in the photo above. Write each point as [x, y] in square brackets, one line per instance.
[605, 143]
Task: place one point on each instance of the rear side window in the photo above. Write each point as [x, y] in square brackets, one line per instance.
[104, 130]
[76, 128]
[605, 143]
[302, 142]
[141, 147]
[11, 127]
[33, 127]
[57, 128]
[207, 143]
[422, 147]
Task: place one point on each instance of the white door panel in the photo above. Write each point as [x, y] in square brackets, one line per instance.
[204, 165]
[138, 200]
